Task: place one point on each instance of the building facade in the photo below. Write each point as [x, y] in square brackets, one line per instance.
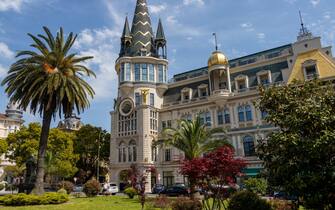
[222, 94]
[10, 122]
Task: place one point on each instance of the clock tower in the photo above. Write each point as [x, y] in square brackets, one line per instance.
[142, 80]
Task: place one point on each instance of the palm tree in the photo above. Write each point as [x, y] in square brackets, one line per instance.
[193, 138]
[49, 80]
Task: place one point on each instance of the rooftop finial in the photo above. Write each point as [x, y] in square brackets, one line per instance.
[216, 42]
[302, 23]
[304, 34]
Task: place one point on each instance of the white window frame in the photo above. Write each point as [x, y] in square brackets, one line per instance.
[202, 87]
[240, 78]
[309, 63]
[262, 73]
[186, 91]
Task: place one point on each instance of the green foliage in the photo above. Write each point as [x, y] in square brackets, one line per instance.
[281, 204]
[193, 138]
[22, 199]
[256, 185]
[3, 146]
[60, 159]
[130, 192]
[66, 185]
[298, 158]
[24, 143]
[186, 204]
[91, 188]
[62, 191]
[86, 144]
[2, 186]
[14, 171]
[247, 200]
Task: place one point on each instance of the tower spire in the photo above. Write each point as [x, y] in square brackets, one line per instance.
[126, 29]
[160, 31]
[141, 30]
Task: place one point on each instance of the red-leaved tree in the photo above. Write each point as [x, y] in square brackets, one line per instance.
[215, 174]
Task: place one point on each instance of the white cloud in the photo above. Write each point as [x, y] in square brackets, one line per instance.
[3, 71]
[181, 29]
[261, 36]
[314, 2]
[114, 13]
[194, 2]
[156, 9]
[327, 16]
[247, 26]
[5, 51]
[15, 5]
[103, 44]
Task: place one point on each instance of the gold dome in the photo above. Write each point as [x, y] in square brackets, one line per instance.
[217, 58]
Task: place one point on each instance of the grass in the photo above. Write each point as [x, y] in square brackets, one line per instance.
[97, 203]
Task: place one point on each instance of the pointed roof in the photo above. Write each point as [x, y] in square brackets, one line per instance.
[126, 30]
[141, 31]
[160, 31]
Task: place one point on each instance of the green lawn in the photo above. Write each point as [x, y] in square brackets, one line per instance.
[98, 203]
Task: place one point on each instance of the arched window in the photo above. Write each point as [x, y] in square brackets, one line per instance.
[132, 151]
[248, 113]
[122, 152]
[226, 116]
[220, 117]
[249, 146]
[240, 111]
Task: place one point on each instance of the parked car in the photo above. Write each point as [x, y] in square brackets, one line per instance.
[157, 188]
[284, 195]
[78, 188]
[174, 191]
[111, 189]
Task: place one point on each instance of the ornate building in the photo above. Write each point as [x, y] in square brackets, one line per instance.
[70, 123]
[10, 122]
[222, 93]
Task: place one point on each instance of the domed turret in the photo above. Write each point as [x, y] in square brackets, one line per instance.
[219, 75]
[217, 58]
[14, 112]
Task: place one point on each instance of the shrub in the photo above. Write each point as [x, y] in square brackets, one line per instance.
[66, 185]
[2, 186]
[91, 188]
[62, 191]
[247, 200]
[22, 199]
[131, 192]
[281, 204]
[186, 204]
[256, 185]
[161, 202]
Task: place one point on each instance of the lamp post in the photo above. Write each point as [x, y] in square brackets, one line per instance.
[98, 162]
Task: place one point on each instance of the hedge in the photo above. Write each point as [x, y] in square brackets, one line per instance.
[22, 199]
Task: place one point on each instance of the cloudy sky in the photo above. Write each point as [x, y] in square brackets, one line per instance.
[243, 27]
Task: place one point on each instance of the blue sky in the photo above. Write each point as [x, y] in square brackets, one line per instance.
[242, 26]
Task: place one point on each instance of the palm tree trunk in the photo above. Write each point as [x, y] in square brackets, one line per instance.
[39, 183]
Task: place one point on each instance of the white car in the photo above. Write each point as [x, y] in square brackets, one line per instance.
[111, 189]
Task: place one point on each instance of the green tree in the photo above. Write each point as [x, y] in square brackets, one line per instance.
[87, 142]
[3, 146]
[256, 185]
[60, 159]
[299, 156]
[49, 80]
[24, 143]
[194, 139]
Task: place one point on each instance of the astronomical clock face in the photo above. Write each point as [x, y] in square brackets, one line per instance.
[126, 107]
